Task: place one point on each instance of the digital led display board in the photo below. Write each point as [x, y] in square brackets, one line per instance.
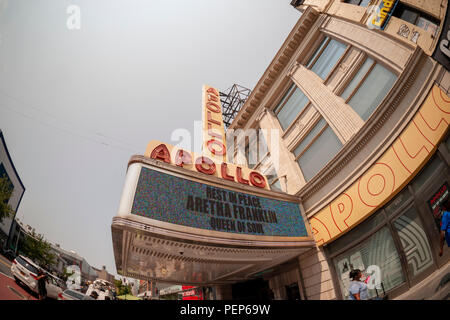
[168, 198]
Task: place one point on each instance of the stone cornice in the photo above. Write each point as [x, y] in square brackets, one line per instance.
[276, 67]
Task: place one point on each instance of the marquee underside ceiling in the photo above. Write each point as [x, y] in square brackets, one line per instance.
[142, 254]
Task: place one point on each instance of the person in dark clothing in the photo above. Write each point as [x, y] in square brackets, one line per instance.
[94, 295]
[445, 227]
[42, 291]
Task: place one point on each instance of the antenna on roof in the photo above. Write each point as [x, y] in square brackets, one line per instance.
[232, 101]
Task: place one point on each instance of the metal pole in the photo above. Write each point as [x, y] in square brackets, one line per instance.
[17, 243]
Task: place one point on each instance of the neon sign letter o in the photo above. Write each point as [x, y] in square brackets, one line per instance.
[254, 177]
[212, 142]
[200, 161]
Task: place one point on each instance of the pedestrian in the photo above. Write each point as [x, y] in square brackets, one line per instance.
[445, 227]
[358, 289]
[41, 279]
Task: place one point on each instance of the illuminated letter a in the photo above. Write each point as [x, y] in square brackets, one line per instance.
[161, 153]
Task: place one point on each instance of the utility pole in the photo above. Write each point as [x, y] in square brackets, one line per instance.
[17, 243]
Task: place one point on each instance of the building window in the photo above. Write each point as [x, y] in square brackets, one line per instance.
[292, 104]
[258, 157]
[416, 17]
[275, 184]
[414, 242]
[378, 257]
[316, 149]
[256, 148]
[326, 57]
[361, 3]
[368, 88]
[267, 168]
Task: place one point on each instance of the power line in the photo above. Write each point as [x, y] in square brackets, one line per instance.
[65, 130]
[34, 118]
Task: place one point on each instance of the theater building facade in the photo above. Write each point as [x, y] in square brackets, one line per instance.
[354, 111]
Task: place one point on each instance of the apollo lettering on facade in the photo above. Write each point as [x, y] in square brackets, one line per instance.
[390, 173]
[214, 142]
[201, 163]
[383, 14]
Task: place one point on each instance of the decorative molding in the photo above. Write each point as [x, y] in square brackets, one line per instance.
[300, 124]
[276, 67]
[263, 112]
[293, 68]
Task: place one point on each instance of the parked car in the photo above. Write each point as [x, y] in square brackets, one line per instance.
[69, 294]
[26, 271]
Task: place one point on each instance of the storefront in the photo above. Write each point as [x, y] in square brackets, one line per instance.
[397, 245]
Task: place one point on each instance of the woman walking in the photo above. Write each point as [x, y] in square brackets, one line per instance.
[42, 277]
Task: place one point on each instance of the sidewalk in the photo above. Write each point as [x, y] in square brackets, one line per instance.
[434, 287]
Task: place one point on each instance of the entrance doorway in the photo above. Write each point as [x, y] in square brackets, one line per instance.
[293, 292]
[257, 289]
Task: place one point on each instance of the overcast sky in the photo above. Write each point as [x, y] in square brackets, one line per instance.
[76, 104]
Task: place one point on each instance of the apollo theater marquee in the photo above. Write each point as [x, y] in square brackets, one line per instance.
[196, 219]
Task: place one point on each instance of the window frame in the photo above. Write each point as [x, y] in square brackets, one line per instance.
[308, 63]
[271, 183]
[411, 203]
[314, 56]
[401, 7]
[313, 140]
[399, 289]
[360, 83]
[330, 257]
[247, 150]
[350, 76]
[280, 107]
[257, 167]
[359, 4]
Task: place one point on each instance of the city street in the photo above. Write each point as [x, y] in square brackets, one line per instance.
[5, 266]
[9, 289]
